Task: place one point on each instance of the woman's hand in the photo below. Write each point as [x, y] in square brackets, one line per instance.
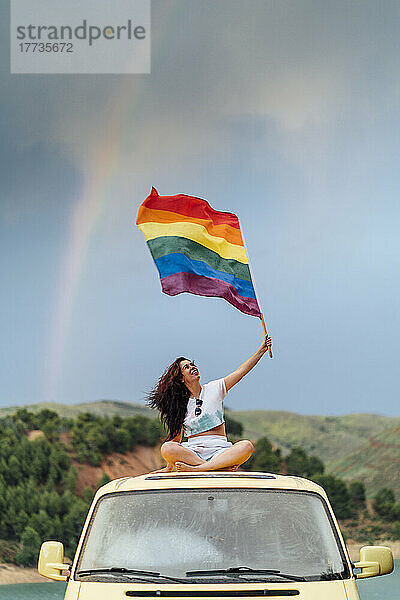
[266, 345]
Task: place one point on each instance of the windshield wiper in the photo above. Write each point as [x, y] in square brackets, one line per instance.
[134, 572]
[245, 571]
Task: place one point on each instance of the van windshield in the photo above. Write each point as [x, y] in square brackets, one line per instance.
[176, 531]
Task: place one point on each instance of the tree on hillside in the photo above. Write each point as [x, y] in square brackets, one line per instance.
[300, 464]
[103, 480]
[24, 416]
[69, 480]
[29, 550]
[43, 524]
[144, 430]
[50, 430]
[395, 512]
[297, 462]
[37, 481]
[233, 427]
[264, 457]
[50, 502]
[315, 466]
[384, 502]
[337, 493]
[72, 523]
[40, 464]
[87, 495]
[47, 418]
[14, 470]
[357, 493]
[21, 522]
[95, 437]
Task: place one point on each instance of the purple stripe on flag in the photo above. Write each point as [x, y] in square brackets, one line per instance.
[205, 286]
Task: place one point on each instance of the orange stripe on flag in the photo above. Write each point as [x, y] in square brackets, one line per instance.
[151, 215]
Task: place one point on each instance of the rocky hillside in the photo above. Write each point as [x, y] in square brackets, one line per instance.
[328, 437]
[376, 462]
[355, 446]
[142, 460]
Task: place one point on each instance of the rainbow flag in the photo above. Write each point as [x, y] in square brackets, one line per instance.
[197, 249]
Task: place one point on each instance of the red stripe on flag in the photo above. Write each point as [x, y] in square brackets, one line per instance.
[190, 206]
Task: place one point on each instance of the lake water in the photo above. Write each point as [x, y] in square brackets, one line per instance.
[379, 588]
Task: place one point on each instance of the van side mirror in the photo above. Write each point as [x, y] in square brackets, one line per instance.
[51, 559]
[374, 560]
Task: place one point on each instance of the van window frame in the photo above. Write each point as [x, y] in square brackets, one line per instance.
[347, 573]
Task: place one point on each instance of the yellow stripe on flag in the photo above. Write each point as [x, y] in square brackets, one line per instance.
[196, 233]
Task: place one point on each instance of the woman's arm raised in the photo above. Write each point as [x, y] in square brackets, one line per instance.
[236, 376]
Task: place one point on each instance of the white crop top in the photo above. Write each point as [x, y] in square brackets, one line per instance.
[212, 413]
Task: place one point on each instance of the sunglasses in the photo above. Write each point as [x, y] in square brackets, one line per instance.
[197, 410]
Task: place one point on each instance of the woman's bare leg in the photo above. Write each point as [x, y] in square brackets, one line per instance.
[173, 451]
[234, 456]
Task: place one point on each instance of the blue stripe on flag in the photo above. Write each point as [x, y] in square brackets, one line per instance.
[180, 263]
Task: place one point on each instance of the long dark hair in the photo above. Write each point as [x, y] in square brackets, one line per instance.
[170, 396]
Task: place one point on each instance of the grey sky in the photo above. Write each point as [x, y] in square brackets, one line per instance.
[286, 113]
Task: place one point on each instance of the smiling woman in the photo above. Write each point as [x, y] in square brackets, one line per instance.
[196, 411]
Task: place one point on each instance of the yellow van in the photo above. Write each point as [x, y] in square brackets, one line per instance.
[211, 534]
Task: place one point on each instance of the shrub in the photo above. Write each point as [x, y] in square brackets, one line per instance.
[384, 502]
[233, 427]
[357, 493]
[264, 457]
[103, 480]
[338, 495]
[30, 544]
[297, 462]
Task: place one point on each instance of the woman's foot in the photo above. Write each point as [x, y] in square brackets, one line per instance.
[166, 469]
[181, 466]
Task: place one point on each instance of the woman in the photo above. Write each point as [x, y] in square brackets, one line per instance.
[188, 408]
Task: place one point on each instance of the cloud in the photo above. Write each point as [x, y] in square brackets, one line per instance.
[299, 66]
[284, 112]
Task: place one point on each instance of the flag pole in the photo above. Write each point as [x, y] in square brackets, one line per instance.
[255, 289]
[265, 332]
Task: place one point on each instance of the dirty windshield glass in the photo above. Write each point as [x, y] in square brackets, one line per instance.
[176, 531]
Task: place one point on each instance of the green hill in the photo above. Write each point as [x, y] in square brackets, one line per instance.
[376, 463]
[103, 408]
[328, 437]
[355, 446]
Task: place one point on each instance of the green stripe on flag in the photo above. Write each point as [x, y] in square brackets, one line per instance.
[164, 245]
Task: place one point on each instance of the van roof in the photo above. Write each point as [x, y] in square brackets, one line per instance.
[208, 479]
